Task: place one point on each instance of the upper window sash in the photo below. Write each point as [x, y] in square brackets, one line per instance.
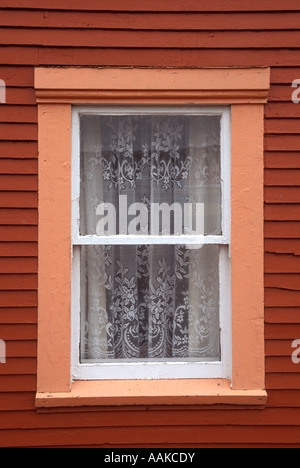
[224, 238]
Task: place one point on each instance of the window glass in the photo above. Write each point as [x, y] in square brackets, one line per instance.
[150, 174]
[141, 175]
[149, 302]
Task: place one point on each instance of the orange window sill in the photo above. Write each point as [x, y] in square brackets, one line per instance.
[151, 392]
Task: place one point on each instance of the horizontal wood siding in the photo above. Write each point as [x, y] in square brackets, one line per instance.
[181, 33]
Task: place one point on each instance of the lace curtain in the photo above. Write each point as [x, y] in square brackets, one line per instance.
[149, 301]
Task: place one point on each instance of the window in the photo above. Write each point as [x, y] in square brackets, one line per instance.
[151, 276]
[78, 362]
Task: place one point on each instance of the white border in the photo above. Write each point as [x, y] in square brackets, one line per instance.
[154, 369]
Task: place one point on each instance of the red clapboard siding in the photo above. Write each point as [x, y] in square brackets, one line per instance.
[18, 199]
[282, 246]
[144, 39]
[18, 249]
[21, 166]
[18, 149]
[281, 212]
[156, 5]
[18, 233]
[182, 33]
[16, 75]
[16, 281]
[153, 57]
[18, 113]
[282, 159]
[185, 20]
[286, 281]
[18, 315]
[282, 194]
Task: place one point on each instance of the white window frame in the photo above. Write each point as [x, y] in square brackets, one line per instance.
[154, 369]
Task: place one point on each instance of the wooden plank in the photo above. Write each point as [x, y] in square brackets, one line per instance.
[283, 398]
[19, 332]
[18, 233]
[19, 183]
[17, 383]
[156, 5]
[279, 348]
[282, 263]
[282, 315]
[16, 281]
[146, 436]
[18, 76]
[18, 315]
[16, 401]
[282, 159]
[18, 265]
[18, 113]
[18, 199]
[282, 331]
[282, 126]
[287, 281]
[18, 149]
[16, 366]
[279, 110]
[281, 212]
[282, 142]
[283, 381]
[280, 364]
[283, 246]
[148, 39]
[284, 75]
[18, 166]
[279, 194]
[19, 56]
[20, 96]
[281, 92]
[18, 131]
[186, 20]
[159, 418]
[25, 216]
[80, 56]
[18, 249]
[282, 177]
[281, 297]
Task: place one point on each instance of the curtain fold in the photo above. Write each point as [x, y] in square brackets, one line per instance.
[149, 301]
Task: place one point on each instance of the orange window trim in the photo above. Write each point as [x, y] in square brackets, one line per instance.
[57, 89]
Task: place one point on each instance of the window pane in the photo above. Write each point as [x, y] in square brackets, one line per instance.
[149, 302]
[150, 174]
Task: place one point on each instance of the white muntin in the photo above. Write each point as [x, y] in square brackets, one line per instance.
[134, 219]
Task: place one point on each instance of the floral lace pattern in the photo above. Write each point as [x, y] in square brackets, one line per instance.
[127, 154]
[149, 302]
[158, 307]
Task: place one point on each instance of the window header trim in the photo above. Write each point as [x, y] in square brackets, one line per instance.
[144, 85]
